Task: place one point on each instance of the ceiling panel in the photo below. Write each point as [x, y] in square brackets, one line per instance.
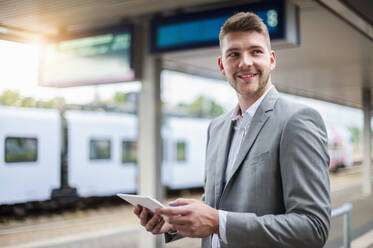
[48, 16]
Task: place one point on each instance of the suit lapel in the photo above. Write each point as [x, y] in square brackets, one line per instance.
[224, 141]
[260, 118]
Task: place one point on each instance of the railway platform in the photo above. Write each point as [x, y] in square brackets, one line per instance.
[117, 227]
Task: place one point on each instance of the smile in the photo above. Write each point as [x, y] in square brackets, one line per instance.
[248, 76]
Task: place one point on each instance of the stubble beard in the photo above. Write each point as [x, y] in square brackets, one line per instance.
[261, 85]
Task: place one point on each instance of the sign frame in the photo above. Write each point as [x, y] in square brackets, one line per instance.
[117, 29]
[288, 19]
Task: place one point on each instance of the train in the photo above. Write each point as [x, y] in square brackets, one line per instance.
[101, 153]
[339, 147]
[98, 150]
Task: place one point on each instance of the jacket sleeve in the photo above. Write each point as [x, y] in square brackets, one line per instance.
[304, 167]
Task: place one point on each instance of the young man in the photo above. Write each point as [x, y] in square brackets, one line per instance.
[267, 180]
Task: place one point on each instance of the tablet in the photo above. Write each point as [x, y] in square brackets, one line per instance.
[145, 201]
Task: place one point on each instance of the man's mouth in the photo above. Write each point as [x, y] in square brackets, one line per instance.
[247, 75]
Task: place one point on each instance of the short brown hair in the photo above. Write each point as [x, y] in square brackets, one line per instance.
[244, 22]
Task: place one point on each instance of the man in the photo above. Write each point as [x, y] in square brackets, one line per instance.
[266, 176]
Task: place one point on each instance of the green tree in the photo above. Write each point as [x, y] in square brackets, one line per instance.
[198, 106]
[355, 133]
[10, 98]
[28, 102]
[204, 107]
[120, 97]
[13, 98]
[216, 109]
[55, 102]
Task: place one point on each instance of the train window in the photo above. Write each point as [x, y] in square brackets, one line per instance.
[20, 149]
[180, 151]
[99, 149]
[129, 151]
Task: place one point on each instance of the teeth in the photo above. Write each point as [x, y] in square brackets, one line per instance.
[247, 76]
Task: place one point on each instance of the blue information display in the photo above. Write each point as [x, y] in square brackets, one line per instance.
[201, 29]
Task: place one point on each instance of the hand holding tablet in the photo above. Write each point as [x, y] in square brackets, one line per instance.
[144, 201]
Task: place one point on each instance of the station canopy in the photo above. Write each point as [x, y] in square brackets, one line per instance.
[333, 60]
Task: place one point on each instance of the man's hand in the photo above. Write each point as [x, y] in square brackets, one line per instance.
[152, 223]
[191, 218]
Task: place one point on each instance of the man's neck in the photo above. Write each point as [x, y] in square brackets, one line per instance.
[246, 101]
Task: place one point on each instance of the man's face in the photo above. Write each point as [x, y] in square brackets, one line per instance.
[246, 62]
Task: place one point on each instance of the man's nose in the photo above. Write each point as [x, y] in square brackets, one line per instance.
[246, 60]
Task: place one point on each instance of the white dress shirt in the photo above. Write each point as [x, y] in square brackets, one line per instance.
[241, 124]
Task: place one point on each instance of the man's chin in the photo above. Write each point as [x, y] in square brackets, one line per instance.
[249, 93]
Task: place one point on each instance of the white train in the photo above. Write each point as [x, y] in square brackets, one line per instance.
[102, 152]
[29, 154]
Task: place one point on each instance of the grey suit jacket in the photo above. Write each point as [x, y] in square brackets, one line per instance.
[278, 191]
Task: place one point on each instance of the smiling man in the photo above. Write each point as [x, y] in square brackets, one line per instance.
[266, 175]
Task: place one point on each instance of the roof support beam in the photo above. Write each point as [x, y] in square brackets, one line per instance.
[367, 146]
[349, 16]
[150, 141]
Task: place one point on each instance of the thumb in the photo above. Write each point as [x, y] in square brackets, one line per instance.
[180, 202]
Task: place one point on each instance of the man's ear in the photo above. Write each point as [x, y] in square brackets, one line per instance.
[220, 65]
[273, 60]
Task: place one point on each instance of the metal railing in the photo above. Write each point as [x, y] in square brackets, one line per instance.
[345, 210]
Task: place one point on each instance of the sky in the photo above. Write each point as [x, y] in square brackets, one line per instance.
[19, 71]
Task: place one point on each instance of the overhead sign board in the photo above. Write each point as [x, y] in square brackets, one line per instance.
[94, 58]
[201, 29]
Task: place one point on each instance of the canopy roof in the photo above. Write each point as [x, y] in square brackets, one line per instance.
[334, 61]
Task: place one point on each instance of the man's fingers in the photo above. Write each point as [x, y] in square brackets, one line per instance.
[158, 227]
[144, 216]
[137, 210]
[172, 211]
[180, 202]
[178, 207]
[152, 223]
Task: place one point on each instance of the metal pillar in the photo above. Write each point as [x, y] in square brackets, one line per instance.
[367, 146]
[347, 230]
[149, 116]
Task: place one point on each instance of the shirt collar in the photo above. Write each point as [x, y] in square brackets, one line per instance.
[252, 109]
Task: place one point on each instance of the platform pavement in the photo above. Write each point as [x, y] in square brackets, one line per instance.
[361, 217]
[127, 235]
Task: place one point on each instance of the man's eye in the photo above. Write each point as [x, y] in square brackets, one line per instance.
[233, 54]
[257, 52]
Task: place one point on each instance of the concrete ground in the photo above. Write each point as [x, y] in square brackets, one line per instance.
[117, 227]
[361, 213]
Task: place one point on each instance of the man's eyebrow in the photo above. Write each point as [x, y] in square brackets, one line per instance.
[249, 48]
[256, 47]
[232, 49]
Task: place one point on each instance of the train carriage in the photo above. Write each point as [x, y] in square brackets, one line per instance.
[100, 152]
[30, 154]
[183, 156]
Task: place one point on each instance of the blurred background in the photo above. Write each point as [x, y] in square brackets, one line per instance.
[84, 115]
